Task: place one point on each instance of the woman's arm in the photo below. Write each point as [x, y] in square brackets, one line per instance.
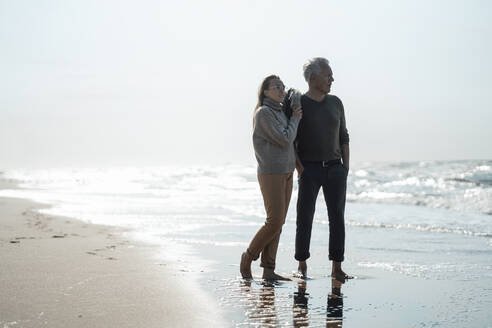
[269, 127]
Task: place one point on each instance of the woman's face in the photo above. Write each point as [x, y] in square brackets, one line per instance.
[275, 91]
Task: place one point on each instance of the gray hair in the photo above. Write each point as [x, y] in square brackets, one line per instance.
[314, 66]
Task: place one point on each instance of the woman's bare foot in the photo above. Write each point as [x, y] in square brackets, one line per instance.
[269, 274]
[245, 266]
[302, 269]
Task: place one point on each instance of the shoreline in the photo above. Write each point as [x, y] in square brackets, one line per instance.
[62, 272]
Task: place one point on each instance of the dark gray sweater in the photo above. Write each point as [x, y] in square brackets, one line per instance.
[322, 130]
[273, 139]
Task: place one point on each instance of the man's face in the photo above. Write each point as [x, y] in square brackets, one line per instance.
[323, 80]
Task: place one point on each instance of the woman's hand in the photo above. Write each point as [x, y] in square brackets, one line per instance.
[297, 111]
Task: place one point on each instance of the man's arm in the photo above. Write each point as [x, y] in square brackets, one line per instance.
[346, 155]
[344, 137]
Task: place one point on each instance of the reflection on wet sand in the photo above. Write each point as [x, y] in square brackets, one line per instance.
[334, 310]
[300, 310]
[269, 304]
[261, 308]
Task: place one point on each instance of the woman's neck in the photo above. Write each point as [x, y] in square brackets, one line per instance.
[272, 103]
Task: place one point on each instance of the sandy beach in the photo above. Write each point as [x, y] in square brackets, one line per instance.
[60, 272]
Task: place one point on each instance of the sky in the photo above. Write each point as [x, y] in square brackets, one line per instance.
[124, 83]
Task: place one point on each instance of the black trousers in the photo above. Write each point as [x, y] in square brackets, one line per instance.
[332, 176]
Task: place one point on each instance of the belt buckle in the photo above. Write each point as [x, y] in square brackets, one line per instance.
[324, 164]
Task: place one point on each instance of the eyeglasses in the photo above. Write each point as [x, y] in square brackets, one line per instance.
[277, 87]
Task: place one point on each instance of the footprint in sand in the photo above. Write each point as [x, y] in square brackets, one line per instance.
[97, 250]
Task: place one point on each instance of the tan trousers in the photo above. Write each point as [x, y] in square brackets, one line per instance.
[276, 190]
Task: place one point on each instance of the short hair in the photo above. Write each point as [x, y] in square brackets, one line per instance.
[314, 66]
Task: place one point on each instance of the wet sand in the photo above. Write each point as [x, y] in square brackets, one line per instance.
[375, 298]
[59, 272]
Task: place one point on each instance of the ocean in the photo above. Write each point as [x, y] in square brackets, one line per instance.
[427, 224]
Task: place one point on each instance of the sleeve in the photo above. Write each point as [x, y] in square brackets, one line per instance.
[344, 136]
[267, 126]
[286, 104]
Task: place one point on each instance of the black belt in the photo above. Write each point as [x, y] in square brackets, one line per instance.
[324, 163]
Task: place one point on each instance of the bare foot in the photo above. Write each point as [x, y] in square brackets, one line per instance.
[245, 266]
[302, 269]
[340, 275]
[270, 275]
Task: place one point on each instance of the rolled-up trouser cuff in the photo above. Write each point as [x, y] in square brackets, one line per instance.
[336, 257]
[302, 257]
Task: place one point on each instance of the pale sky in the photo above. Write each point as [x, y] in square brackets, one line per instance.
[102, 83]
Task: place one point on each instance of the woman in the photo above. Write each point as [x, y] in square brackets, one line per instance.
[273, 140]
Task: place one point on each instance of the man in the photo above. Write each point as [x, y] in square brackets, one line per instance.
[322, 147]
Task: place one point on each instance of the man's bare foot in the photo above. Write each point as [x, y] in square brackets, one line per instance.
[245, 266]
[337, 272]
[302, 269]
[269, 274]
[340, 275]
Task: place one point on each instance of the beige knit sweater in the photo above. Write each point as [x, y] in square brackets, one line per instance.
[273, 139]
